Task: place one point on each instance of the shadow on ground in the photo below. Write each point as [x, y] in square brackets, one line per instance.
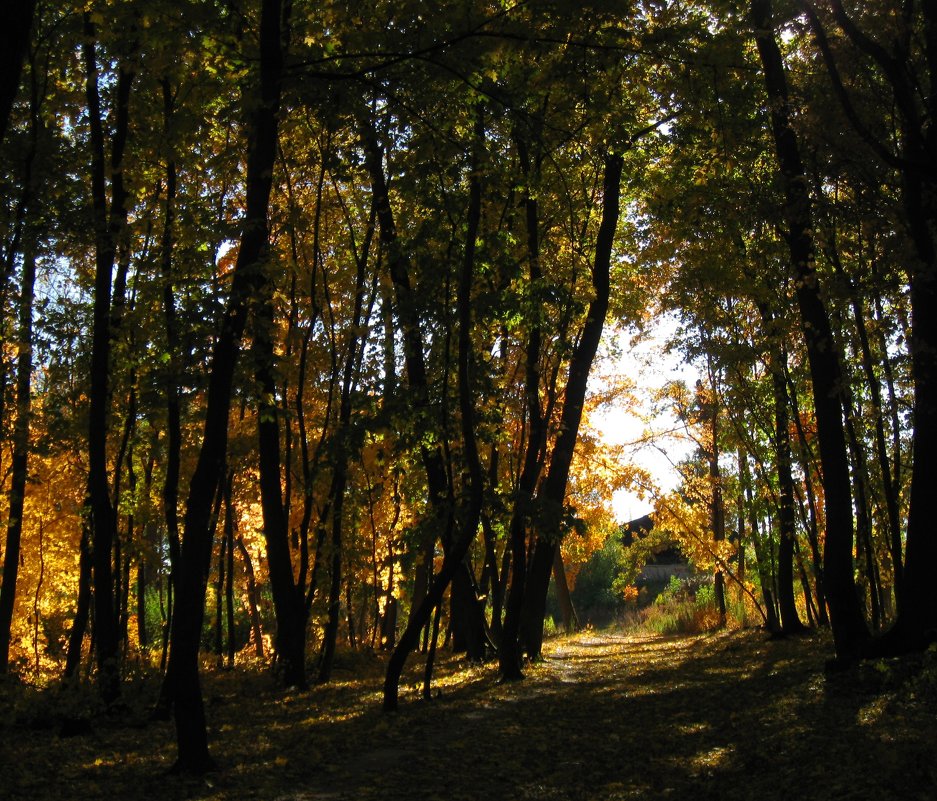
[605, 716]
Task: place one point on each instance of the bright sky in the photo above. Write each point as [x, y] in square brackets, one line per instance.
[651, 437]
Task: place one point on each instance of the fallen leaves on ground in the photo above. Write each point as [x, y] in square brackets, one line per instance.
[605, 716]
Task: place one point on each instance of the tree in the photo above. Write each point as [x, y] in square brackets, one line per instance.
[246, 282]
[906, 63]
[14, 42]
[849, 628]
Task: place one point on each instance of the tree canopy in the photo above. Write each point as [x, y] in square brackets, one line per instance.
[299, 305]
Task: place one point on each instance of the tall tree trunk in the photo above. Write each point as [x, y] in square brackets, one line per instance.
[916, 164]
[811, 522]
[717, 512]
[108, 224]
[252, 607]
[17, 493]
[532, 465]
[567, 610]
[24, 361]
[553, 492]
[350, 373]
[288, 598]
[790, 620]
[143, 636]
[454, 556]
[229, 584]
[849, 627]
[191, 734]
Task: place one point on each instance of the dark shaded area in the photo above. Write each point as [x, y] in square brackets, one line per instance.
[728, 716]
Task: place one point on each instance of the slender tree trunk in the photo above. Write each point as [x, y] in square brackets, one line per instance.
[454, 556]
[763, 562]
[568, 611]
[80, 622]
[812, 525]
[790, 620]
[143, 636]
[229, 584]
[553, 492]
[191, 734]
[916, 164]
[510, 651]
[253, 610]
[849, 627]
[350, 373]
[288, 598]
[17, 493]
[108, 224]
[219, 597]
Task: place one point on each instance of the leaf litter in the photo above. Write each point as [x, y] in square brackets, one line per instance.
[605, 716]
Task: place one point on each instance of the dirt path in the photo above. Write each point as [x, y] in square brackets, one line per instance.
[727, 716]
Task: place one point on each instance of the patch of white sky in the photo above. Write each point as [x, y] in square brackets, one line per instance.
[641, 427]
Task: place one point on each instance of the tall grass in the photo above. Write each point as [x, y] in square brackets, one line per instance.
[681, 609]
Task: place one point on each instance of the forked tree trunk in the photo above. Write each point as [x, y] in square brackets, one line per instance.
[455, 553]
[532, 465]
[553, 493]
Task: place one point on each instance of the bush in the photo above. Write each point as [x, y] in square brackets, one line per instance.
[684, 607]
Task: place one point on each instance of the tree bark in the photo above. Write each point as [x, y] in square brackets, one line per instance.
[191, 734]
[108, 224]
[510, 650]
[553, 493]
[916, 165]
[849, 628]
[790, 620]
[24, 366]
[453, 558]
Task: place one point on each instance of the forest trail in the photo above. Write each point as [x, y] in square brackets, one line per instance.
[606, 716]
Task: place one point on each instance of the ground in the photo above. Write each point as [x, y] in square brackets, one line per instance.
[606, 715]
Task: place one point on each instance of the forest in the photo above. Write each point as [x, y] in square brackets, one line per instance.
[308, 312]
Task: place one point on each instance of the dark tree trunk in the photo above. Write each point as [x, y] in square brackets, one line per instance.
[253, 610]
[24, 367]
[567, 610]
[717, 512]
[219, 596]
[330, 635]
[916, 164]
[288, 598]
[143, 636]
[108, 224]
[764, 574]
[173, 406]
[510, 651]
[849, 628]
[191, 734]
[350, 374]
[80, 622]
[454, 556]
[790, 620]
[14, 41]
[441, 500]
[553, 492]
[229, 584]
[811, 524]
